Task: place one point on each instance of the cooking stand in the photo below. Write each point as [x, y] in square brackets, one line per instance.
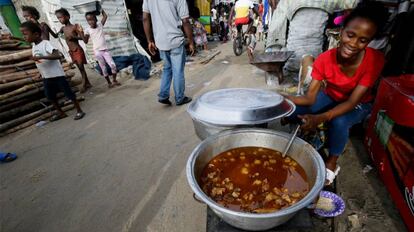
[272, 63]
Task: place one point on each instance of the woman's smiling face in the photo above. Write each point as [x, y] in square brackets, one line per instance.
[355, 37]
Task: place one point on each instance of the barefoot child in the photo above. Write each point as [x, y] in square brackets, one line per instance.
[48, 62]
[72, 37]
[100, 49]
[32, 14]
[200, 33]
[252, 45]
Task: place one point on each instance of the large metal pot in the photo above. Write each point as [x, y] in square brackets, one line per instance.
[224, 109]
[301, 151]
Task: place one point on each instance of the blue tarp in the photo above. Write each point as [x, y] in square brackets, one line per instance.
[141, 65]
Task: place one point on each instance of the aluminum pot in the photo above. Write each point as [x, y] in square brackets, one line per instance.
[225, 109]
[301, 151]
[89, 6]
[204, 129]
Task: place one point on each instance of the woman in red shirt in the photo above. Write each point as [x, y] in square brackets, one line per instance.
[349, 72]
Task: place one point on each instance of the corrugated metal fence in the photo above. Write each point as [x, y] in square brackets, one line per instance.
[118, 34]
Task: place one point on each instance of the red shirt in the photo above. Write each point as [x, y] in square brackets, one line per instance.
[261, 9]
[340, 86]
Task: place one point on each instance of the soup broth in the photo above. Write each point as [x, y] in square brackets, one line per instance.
[254, 179]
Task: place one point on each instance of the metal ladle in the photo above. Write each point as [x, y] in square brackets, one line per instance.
[289, 144]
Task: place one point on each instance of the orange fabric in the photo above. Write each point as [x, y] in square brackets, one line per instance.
[78, 56]
[242, 21]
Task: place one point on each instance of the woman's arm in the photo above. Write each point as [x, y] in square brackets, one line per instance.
[312, 121]
[310, 97]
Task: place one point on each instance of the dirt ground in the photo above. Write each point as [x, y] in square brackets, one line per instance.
[122, 167]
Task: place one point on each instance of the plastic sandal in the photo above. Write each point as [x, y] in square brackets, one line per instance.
[79, 115]
[7, 157]
[57, 117]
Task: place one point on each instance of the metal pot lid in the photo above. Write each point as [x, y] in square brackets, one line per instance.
[240, 106]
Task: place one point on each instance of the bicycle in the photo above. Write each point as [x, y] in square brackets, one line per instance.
[241, 39]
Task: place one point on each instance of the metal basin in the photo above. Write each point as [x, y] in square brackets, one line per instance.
[225, 109]
[301, 151]
[89, 6]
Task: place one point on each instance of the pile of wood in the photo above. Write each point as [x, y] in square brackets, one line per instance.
[22, 101]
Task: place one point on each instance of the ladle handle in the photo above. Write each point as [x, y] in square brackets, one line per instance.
[290, 141]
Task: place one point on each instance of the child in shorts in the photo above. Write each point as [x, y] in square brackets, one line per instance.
[100, 48]
[47, 60]
[72, 37]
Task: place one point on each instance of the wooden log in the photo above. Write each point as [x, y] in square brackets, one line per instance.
[10, 46]
[7, 71]
[15, 56]
[23, 119]
[19, 102]
[31, 92]
[19, 64]
[34, 121]
[20, 90]
[29, 80]
[29, 106]
[38, 119]
[26, 73]
[21, 96]
[8, 41]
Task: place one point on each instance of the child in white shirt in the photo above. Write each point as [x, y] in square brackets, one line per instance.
[47, 60]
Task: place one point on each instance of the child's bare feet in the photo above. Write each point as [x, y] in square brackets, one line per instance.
[110, 85]
[116, 83]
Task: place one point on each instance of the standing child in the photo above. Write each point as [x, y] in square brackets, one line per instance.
[200, 33]
[32, 14]
[72, 37]
[260, 30]
[223, 27]
[252, 45]
[100, 49]
[47, 60]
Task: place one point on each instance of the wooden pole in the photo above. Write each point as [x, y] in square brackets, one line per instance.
[26, 81]
[26, 73]
[29, 106]
[36, 120]
[15, 56]
[23, 119]
[32, 92]
[19, 64]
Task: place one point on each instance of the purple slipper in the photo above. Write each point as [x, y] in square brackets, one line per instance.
[339, 205]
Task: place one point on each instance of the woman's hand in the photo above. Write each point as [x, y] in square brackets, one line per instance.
[311, 121]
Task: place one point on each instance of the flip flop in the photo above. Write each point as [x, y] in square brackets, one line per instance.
[79, 115]
[330, 175]
[57, 117]
[7, 157]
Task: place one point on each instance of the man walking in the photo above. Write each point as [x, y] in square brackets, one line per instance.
[163, 23]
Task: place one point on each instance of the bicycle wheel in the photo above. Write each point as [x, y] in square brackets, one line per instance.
[237, 46]
[247, 40]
